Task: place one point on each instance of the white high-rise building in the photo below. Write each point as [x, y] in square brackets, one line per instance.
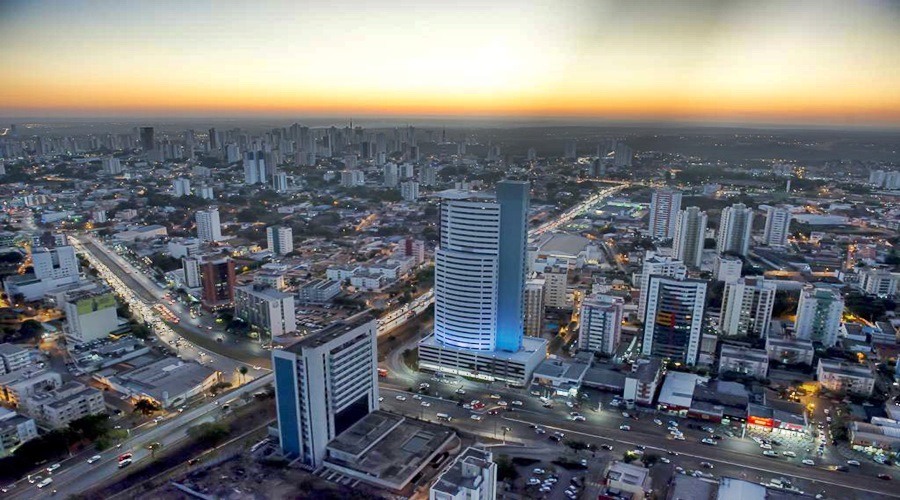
[600, 326]
[391, 175]
[267, 308]
[280, 240]
[90, 314]
[111, 165]
[747, 307]
[472, 476]
[657, 265]
[181, 187]
[819, 315]
[407, 171]
[556, 284]
[209, 229]
[191, 268]
[280, 182]
[325, 383]
[428, 175]
[352, 178]
[735, 230]
[59, 264]
[205, 192]
[673, 322]
[880, 282]
[664, 207]
[255, 167]
[727, 268]
[534, 306]
[778, 226]
[690, 235]
[409, 190]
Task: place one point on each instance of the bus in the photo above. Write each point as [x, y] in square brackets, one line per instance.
[444, 417]
[382, 372]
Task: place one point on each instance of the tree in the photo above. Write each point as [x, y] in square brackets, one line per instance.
[243, 371]
[209, 434]
[146, 406]
[506, 470]
[31, 328]
[219, 387]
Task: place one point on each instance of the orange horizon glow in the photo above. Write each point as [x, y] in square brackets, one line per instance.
[805, 61]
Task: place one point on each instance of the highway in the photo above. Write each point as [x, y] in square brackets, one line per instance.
[577, 210]
[76, 475]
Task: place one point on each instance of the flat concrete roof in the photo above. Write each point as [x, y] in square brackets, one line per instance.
[329, 333]
[563, 244]
[678, 388]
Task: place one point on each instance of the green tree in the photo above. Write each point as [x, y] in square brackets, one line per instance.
[146, 406]
[209, 434]
[243, 371]
[506, 470]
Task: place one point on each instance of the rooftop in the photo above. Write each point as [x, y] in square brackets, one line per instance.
[166, 378]
[841, 367]
[732, 351]
[628, 473]
[330, 333]
[564, 244]
[8, 349]
[678, 388]
[455, 478]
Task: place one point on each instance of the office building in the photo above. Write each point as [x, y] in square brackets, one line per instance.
[352, 178]
[280, 240]
[727, 268]
[265, 308]
[479, 296]
[191, 268]
[255, 167]
[324, 384]
[556, 283]
[735, 229]
[90, 314]
[840, 376]
[181, 187]
[690, 235]
[209, 229]
[673, 320]
[747, 307]
[148, 139]
[778, 226]
[58, 264]
[819, 313]
[534, 306]
[664, 207]
[409, 190]
[217, 279]
[472, 476]
[600, 324]
[391, 175]
[319, 291]
[428, 175]
[657, 265]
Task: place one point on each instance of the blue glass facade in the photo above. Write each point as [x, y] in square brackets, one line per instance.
[286, 395]
[513, 198]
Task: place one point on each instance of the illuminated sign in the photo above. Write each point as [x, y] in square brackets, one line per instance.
[764, 422]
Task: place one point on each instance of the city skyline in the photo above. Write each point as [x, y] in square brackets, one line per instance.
[707, 61]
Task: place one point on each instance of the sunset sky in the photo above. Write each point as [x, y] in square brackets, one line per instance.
[820, 61]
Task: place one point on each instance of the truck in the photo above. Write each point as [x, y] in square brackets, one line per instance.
[444, 417]
[382, 372]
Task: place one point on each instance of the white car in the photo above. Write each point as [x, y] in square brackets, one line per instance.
[807, 461]
[460, 391]
[657, 421]
[664, 460]
[93, 459]
[380, 398]
[502, 403]
[495, 396]
[426, 404]
[789, 453]
[678, 437]
[854, 463]
[53, 467]
[417, 396]
[537, 470]
[533, 480]
[400, 397]
[517, 403]
[476, 418]
[766, 446]
[624, 427]
[709, 441]
[45, 482]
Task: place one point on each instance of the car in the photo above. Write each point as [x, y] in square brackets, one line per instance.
[518, 403]
[540, 431]
[424, 385]
[579, 418]
[664, 460]
[770, 453]
[502, 403]
[657, 421]
[35, 479]
[709, 441]
[537, 470]
[673, 429]
[125, 463]
[807, 461]
[93, 459]
[673, 423]
[584, 462]
[460, 391]
[885, 477]
[495, 396]
[466, 406]
[766, 446]
[624, 427]
[417, 396]
[476, 417]
[400, 397]
[789, 454]
[544, 489]
[45, 482]
[426, 404]
[625, 414]
[53, 467]
[854, 463]
[707, 465]
[380, 398]
[533, 481]
[680, 437]
[493, 412]
[607, 447]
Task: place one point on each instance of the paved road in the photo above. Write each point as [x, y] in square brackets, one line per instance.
[76, 475]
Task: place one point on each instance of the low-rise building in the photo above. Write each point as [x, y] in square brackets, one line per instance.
[13, 357]
[367, 281]
[642, 383]
[341, 273]
[15, 429]
[626, 481]
[71, 401]
[873, 438]
[841, 376]
[319, 291]
[268, 309]
[744, 361]
[169, 381]
[562, 377]
[789, 350]
[472, 476]
[16, 386]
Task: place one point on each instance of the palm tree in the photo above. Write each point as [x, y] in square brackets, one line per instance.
[243, 371]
